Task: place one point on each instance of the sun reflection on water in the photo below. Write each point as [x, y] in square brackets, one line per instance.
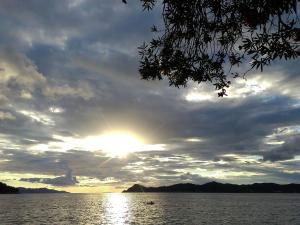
[117, 209]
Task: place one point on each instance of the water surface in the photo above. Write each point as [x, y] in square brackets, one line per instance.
[169, 208]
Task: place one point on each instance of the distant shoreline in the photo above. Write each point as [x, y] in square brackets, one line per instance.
[215, 187]
[6, 189]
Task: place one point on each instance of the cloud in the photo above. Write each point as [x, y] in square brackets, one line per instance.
[6, 116]
[19, 77]
[286, 151]
[69, 69]
[83, 90]
[67, 180]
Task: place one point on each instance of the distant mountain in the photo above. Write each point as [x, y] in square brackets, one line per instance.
[5, 189]
[23, 190]
[215, 187]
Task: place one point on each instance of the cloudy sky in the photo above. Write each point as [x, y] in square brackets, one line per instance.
[74, 114]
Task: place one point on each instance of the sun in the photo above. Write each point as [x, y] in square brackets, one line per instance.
[119, 144]
[115, 144]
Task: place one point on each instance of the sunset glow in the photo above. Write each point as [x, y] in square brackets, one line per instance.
[75, 115]
[118, 144]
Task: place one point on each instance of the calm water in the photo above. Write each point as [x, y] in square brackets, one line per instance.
[209, 209]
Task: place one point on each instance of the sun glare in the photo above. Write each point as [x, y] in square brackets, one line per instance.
[114, 144]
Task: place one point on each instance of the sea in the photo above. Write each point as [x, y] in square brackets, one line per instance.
[135, 208]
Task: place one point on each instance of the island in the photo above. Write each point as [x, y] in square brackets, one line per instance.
[215, 187]
[6, 189]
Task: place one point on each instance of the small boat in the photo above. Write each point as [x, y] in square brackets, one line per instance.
[150, 203]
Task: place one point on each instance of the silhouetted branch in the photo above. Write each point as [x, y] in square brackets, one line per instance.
[207, 40]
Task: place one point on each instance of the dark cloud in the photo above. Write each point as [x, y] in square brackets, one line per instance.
[286, 151]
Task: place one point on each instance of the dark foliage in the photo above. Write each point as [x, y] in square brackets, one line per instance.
[207, 40]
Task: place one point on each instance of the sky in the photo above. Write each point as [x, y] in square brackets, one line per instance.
[75, 115]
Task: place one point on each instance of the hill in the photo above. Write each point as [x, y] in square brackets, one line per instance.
[215, 187]
[5, 189]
